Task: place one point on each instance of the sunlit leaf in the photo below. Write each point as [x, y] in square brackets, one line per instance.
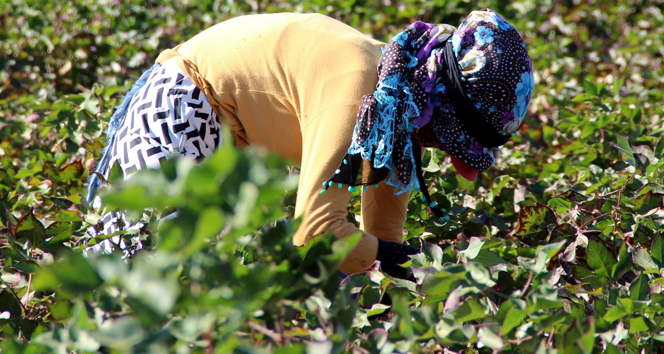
[638, 324]
[489, 338]
[642, 258]
[474, 248]
[625, 149]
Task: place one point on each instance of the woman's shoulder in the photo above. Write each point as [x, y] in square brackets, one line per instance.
[299, 27]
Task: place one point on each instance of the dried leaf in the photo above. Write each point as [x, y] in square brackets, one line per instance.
[533, 222]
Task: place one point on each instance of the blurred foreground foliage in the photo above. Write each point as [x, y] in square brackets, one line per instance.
[558, 248]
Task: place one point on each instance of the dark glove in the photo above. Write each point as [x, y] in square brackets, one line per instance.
[391, 254]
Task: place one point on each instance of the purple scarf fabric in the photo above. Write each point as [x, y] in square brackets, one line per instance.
[411, 102]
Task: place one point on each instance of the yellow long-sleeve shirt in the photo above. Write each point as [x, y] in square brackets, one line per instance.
[293, 83]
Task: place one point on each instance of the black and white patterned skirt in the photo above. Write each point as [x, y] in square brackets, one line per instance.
[168, 115]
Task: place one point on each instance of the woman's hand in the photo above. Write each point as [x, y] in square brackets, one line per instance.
[391, 254]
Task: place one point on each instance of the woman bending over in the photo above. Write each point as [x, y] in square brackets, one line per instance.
[351, 111]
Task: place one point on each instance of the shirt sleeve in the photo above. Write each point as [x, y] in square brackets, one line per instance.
[383, 213]
[325, 140]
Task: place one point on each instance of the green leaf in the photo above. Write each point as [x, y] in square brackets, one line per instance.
[488, 258]
[600, 258]
[439, 286]
[470, 310]
[72, 172]
[432, 166]
[590, 88]
[562, 231]
[614, 313]
[632, 306]
[641, 257]
[561, 205]
[208, 225]
[27, 172]
[423, 322]
[490, 339]
[659, 148]
[404, 326]
[67, 216]
[60, 231]
[536, 265]
[580, 98]
[612, 349]
[625, 150]
[513, 319]
[72, 273]
[377, 309]
[550, 249]
[324, 254]
[152, 295]
[623, 265]
[479, 274]
[91, 103]
[573, 196]
[587, 340]
[638, 324]
[543, 254]
[617, 85]
[31, 229]
[122, 332]
[62, 202]
[647, 202]
[245, 205]
[9, 302]
[639, 288]
[296, 348]
[657, 250]
[474, 248]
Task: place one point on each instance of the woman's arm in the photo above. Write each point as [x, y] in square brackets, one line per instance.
[325, 139]
[383, 213]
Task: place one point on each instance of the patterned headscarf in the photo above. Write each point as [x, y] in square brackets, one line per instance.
[418, 100]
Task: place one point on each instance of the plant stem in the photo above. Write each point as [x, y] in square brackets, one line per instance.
[268, 332]
[525, 287]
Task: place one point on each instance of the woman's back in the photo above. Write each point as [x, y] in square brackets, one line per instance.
[277, 72]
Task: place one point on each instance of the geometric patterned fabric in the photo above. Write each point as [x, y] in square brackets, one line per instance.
[166, 116]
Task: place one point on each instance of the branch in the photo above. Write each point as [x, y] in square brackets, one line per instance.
[498, 293]
[479, 325]
[27, 293]
[525, 287]
[595, 218]
[519, 341]
[209, 349]
[268, 332]
[360, 349]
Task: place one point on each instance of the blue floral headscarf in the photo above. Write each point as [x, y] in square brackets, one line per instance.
[411, 104]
